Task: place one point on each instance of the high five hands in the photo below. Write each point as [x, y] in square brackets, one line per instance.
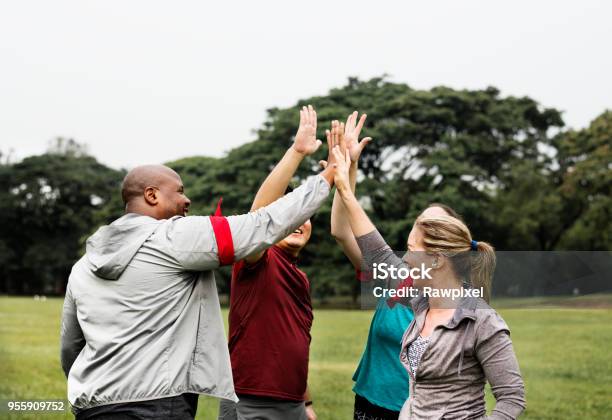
[344, 136]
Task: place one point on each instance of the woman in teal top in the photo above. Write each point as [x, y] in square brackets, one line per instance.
[381, 382]
[380, 379]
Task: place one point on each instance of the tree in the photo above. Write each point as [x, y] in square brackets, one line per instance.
[585, 185]
[462, 148]
[48, 203]
[520, 181]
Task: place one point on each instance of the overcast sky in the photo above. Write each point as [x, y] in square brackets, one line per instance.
[151, 81]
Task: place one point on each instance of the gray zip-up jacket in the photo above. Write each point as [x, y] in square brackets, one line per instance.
[141, 317]
[473, 348]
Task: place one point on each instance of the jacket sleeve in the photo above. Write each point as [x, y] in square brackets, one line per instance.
[72, 340]
[496, 355]
[375, 250]
[192, 240]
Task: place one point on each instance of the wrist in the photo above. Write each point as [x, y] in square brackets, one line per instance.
[298, 154]
[343, 189]
[328, 175]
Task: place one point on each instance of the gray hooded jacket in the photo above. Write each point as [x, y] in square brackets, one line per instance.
[141, 317]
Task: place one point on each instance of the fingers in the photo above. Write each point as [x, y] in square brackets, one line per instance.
[334, 133]
[363, 143]
[350, 122]
[360, 124]
[341, 133]
[341, 139]
[330, 142]
[308, 116]
[318, 144]
[313, 117]
[323, 164]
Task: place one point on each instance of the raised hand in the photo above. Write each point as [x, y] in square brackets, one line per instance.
[335, 137]
[342, 163]
[352, 129]
[306, 141]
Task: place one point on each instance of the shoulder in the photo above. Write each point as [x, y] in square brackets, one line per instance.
[489, 323]
[184, 223]
[185, 231]
[179, 229]
[77, 273]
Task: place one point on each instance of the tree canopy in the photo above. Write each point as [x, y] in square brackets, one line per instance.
[48, 204]
[507, 164]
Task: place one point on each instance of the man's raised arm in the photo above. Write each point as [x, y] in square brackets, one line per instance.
[203, 243]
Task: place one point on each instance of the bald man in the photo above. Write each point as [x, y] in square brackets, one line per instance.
[142, 333]
[140, 192]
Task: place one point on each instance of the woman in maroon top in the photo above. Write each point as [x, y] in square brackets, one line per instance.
[270, 309]
[270, 320]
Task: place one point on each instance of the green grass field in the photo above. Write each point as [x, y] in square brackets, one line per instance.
[564, 353]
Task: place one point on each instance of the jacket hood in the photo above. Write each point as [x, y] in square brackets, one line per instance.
[112, 247]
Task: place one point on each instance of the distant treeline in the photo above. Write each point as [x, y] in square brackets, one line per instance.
[518, 177]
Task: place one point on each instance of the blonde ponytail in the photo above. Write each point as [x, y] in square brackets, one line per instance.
[483, 266]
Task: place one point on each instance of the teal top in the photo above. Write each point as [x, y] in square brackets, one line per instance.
[380, 377]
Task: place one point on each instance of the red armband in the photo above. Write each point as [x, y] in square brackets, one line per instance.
[223, 236]
[363, 276]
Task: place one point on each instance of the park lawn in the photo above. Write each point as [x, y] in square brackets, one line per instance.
[564, 356]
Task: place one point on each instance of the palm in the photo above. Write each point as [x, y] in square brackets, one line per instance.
[352, 130]
[354, 149]
[306, 137]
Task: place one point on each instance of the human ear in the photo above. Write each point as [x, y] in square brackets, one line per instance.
[438, 262]
[151, 196]
[434, 264]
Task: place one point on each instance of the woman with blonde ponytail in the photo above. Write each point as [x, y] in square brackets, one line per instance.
[456, 342]
[450, 237]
